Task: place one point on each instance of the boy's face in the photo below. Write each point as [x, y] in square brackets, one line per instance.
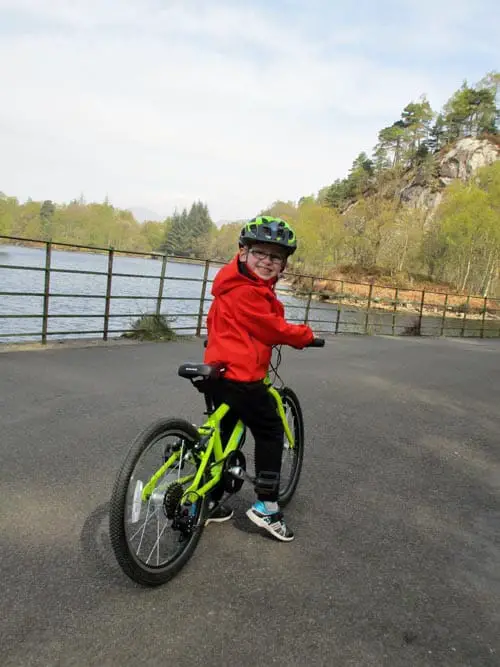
[264, 259]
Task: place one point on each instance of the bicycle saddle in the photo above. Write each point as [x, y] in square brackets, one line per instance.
[205, 371]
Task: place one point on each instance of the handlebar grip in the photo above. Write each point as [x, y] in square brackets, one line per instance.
[317, 342]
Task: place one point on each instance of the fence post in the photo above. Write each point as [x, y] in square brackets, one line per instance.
[337, 321]
[368, 306]
[421, 314]
[462, 332]
[394, 310]
[108, 294]
[160, 288]
[308, 305]
[483, 320]
[202, 298]
[46, 291]
[443, 319]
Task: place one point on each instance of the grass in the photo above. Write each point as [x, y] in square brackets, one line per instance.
[412, 329]
[151, 327]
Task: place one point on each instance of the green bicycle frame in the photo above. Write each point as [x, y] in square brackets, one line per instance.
[210, 432]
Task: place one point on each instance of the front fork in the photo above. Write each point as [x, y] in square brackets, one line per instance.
[281, 411]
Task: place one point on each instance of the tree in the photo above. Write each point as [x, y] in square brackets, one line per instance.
[360, 175]
[464, 242]
[224, 241]
[8, 211]
[154, 233]
[369, 224]
[201, 228]
[391, 140]
[103, 225]
[437, 133]
[359, 179]
[320, 237]
[336, 195]
[402, 240]
[416, 118]
[491, 82]
[178, 240]
[281, 209]
[47, 211]
[488, 179]
[381, 160]
[189, 233]
[321, 197]
[470, 112]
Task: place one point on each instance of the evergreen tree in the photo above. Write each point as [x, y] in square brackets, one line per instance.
[47, 211]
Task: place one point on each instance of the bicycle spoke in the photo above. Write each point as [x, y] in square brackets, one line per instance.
[157, 542]
[153, 540]
[181, 461]
[144, 527]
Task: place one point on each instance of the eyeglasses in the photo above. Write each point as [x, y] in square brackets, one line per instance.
[261, 255]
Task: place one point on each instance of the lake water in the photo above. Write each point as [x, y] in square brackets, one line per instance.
[83, 311]
[80, 313]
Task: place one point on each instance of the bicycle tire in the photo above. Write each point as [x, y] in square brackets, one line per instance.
[289, 397]
[133, 567]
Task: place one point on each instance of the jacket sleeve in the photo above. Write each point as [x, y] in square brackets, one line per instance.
[254, 312]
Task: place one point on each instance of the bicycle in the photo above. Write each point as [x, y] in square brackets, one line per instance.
[173, 492]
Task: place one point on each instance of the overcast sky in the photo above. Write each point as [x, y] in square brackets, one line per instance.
[156, 103]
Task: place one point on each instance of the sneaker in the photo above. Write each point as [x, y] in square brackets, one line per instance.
[273, 522]
[218, 513]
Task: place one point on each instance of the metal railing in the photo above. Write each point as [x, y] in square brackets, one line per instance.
[327, 305]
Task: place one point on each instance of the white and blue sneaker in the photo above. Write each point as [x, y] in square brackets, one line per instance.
[271, 520]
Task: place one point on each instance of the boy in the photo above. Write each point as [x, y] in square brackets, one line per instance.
[244, 321]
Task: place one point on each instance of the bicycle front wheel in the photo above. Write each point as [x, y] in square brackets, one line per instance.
[152, 534]
[292, 459]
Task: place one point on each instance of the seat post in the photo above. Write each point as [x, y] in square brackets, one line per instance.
[209, 399]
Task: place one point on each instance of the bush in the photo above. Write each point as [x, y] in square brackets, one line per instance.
[151, 326]
[412, 329]
[463, 308]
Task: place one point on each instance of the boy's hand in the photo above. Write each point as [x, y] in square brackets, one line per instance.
[316, 342]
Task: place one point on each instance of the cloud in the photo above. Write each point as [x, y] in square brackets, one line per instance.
[238, 103]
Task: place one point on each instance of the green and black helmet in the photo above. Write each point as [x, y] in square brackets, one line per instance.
[266, 229]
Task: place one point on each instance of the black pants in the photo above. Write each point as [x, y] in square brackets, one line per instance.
[253, 404]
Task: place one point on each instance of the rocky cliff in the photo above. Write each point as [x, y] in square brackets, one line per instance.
[461, 160]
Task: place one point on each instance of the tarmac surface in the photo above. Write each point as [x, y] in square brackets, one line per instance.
[396, 560]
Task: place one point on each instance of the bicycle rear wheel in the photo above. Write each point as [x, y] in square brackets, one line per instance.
[291, 465]
[153, 537]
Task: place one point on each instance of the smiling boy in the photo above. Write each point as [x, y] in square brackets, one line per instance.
[244, 321]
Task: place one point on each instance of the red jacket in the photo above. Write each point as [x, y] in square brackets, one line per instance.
[244, 321]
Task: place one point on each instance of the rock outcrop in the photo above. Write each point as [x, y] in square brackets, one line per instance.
[459, 161]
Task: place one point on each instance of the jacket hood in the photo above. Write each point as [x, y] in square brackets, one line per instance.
[230, 276]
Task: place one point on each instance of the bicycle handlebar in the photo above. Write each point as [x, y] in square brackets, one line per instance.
[317, 342]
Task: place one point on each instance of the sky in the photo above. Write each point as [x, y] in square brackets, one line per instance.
[238, 103]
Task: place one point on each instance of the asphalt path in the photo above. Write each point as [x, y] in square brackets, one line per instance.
[396, 560]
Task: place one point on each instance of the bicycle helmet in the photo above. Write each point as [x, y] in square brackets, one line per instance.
[266, 229]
